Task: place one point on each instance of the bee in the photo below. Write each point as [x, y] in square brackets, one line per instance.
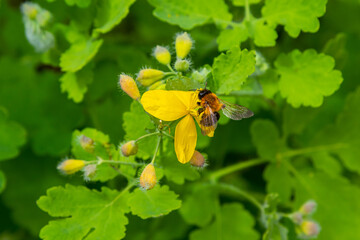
[209, 107]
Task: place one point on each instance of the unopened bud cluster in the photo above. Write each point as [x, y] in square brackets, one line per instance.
[306, 227]
[155, 79]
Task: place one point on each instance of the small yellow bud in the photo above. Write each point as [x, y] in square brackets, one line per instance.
[129, 86]
[162, 54]
[148, 76]
[183, 44]
[310, 228]
[197, 160]
[86, 143]
[309, 207]
[129, 148]
[158, 86]
[182, 65]
[29, 9]
[89, 171]
[71, 166]
[148, 177]
[297, 217]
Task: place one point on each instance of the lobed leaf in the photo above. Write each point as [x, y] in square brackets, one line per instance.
[84, 214]
[153, 203]
[190, 13]
[305, 78]
[231, 70]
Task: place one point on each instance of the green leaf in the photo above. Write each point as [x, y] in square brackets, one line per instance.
[266, 138]
[275, 231]
[153, 203]
[264, 35]
[269, 83]
[327, 163]
[199, 206]
[176, 171]
[12, 137]
[2, 181]
[190, 13]
[100, 147]
[110, 13]
[75, 84]
[336, 47]
[295, 15]
[305, 78]
[242, 2]
[231, 70]
[342, 138]
[84, 213]
[328, 191]
[136, 123]
[278, 181]
[229, 38]
[296, 120]
[233, 220]
[79, 54]
[79, 3]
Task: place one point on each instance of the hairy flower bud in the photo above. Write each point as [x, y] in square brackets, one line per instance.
[71, 166]
[148, 177]
[197, 160]
[129, 86]
[89, 171]
[183, 44]
[86, 143]
[309, 207]
[129, 148]
[148, 76]
[162, 54]
[182, 65]
[158, 86]
[310, 228]
[297, 218]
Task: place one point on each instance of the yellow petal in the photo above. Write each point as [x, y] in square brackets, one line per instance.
[167, 105]
[185, 139]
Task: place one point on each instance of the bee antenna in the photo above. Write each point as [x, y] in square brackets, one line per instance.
[205, 85]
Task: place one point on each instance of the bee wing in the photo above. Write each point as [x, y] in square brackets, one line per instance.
[208, 122]
[234, 111]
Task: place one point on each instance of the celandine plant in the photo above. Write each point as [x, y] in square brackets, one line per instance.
[178, 165]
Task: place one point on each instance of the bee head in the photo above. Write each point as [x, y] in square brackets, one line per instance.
[203, 93]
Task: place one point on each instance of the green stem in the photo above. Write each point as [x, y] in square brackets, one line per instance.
[230, 189]
[302, 151]
[236, 167]
[156, 149]
[247, 11]
[113, 162]
[168, 135]
[147, 135]
[171, 69]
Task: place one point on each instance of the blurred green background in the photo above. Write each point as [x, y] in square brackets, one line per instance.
[44, 118]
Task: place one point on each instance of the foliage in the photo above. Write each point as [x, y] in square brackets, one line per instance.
[292, 63]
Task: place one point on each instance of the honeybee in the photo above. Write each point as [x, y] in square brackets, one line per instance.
[209, 107]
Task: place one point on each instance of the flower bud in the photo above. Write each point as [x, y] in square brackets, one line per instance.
[183, 44]
[162, 54]
[129, 148]
[71, 166]
[310, 228]
[197, 160]
[29, 9]
[297, 218]
[89, 171]
[158, 86]
[129, 86]
[148, 76]
[86, 143]
[148, 177]
[309, 207]
[182, 65]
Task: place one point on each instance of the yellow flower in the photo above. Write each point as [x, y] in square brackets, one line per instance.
[170, 106]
